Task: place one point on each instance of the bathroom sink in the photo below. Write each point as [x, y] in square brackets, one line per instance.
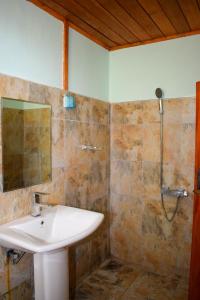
[58, 227]
[48, 238]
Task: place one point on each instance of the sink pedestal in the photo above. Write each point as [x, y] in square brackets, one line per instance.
[51, 276]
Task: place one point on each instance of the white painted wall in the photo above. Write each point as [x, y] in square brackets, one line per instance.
[173, 65]
[30, 43]
[88, 67]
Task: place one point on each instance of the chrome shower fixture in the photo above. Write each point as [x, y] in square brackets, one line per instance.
[178, 193]
[159, 95]
[166, 191]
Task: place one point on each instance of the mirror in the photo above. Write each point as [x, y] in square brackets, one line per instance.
[26, 143]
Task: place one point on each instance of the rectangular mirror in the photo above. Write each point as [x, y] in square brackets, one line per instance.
[26, 143]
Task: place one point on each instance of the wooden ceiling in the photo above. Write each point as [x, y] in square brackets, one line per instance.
[116, 24]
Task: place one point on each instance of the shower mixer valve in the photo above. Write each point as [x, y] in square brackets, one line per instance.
[178, 193]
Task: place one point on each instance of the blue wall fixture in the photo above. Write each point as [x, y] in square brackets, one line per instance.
[69, 101]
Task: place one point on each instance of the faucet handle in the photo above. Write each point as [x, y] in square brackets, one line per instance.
[37, 196]
[37, 204]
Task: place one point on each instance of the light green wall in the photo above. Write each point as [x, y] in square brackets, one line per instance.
[88, 67]
[173, 65]
[32, 49]
[31, 43]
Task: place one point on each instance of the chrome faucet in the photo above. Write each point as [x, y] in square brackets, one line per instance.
[38, 204]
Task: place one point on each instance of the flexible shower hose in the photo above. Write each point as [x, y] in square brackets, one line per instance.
[169, 219]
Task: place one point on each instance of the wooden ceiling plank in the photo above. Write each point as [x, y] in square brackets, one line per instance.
[87, 30]
[175, 14]
[153, 8]
[162, 39]
[88, 18]
[99, 12]
[124, 18]
[91, 36]
[138, 13]
[117, 10]
[191, 11]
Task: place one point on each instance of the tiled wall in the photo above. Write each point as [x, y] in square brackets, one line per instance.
[78, 178]
[87, 174]
[139, 232]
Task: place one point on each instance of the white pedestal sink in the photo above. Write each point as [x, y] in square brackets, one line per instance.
[48, 237]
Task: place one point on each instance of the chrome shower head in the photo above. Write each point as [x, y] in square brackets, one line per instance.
[159, 95]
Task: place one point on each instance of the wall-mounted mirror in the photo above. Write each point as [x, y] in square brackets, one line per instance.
[26, 143]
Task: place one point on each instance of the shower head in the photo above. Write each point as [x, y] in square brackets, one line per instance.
[158, 93]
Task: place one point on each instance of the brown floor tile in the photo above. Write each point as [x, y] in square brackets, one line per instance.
[115, 280]
[109, 282]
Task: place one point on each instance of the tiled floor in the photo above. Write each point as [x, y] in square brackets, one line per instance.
[22, 292]
[117, 281]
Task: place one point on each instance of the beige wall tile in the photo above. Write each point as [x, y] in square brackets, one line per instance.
[78, 178]
[58, 143]
[12, 87]
[127, 142]
[127, 113]
[151, 142]
[139, 231]
[89, 110]
[151, 111]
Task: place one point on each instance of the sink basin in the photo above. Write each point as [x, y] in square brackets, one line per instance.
[59, 226]
[48, 237]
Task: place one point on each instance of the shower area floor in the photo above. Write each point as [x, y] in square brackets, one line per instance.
[115, 280]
